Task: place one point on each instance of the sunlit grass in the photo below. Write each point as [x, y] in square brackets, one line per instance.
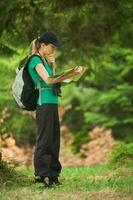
[78, 182]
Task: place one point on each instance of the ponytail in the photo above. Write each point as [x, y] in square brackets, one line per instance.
[34, 46]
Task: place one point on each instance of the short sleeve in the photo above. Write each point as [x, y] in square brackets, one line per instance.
[33, 62]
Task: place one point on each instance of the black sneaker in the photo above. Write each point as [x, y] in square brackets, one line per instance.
[39, 179]
[45, 180]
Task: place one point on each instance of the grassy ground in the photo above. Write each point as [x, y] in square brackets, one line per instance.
[79, 183]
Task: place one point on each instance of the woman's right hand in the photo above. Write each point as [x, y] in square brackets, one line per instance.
[51, 59]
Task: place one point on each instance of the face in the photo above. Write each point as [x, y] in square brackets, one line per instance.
[48, 49]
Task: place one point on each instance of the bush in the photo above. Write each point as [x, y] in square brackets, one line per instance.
[121, 155]
[9, 175]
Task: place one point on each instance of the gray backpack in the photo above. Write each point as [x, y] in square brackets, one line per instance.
[24, 90]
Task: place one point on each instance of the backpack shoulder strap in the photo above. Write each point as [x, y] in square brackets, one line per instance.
[39, 80]
[29, 58]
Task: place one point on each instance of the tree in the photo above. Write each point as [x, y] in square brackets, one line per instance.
[96, 34]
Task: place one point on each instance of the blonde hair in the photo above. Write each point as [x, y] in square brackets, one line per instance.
[34, 47]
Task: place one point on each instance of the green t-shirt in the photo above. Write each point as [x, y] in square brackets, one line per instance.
[46, 95]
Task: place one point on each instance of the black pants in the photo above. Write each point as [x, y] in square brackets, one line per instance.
[46, 155]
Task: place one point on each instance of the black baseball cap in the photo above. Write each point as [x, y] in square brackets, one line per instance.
[49, 37]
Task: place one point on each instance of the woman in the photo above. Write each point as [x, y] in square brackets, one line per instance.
[46, 155]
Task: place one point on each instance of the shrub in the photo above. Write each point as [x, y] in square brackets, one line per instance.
[121, 155]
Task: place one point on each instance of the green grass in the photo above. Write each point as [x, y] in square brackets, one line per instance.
[97, 182]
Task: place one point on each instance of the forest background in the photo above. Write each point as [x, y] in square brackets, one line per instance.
[95, 34]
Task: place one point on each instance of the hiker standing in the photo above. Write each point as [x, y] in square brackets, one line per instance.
[46, 155]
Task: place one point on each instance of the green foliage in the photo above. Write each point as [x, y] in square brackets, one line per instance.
[95, 34]
[121, 155]
[80, 138]
[19, 125]
[22, 127]
[104, 96]
[84, 21]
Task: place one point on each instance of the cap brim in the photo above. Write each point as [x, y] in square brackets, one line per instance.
[58, 45]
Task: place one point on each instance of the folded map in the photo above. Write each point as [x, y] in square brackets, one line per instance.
[69, 75]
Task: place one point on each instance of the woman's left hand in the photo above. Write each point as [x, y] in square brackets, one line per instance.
[79, 69]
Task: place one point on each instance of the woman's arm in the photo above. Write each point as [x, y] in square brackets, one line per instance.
[50, 80]
[44, 74]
